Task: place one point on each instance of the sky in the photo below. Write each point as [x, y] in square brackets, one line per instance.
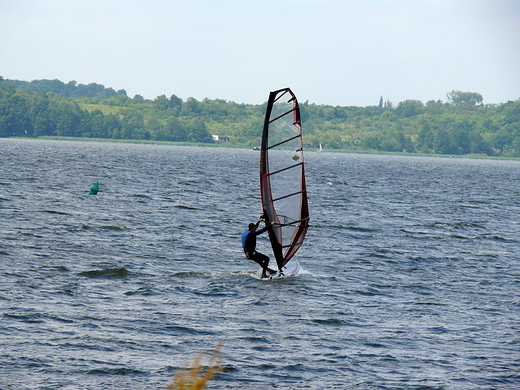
[335, 52]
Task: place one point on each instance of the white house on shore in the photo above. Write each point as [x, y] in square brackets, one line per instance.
[223, 138]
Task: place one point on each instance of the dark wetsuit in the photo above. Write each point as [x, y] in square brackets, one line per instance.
[249, 245]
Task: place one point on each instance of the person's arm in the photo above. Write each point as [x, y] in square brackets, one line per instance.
[258, 232]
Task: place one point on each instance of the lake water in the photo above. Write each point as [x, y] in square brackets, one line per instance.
[411, 271]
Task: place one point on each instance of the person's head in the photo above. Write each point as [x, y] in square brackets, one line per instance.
[252, 226]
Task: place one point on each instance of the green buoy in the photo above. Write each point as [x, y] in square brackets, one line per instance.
[94, 189]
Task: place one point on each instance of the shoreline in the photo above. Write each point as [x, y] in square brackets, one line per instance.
[228, 146]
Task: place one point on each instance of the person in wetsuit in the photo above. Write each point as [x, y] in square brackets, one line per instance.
[249, 245]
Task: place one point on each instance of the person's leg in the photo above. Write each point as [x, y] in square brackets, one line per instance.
[266, 265]
[263, 260]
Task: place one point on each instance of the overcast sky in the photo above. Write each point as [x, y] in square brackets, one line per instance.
[338, 52]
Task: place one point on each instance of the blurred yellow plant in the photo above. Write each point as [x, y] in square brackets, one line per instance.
[194, 377]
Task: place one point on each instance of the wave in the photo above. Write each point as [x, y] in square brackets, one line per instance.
[106, 273]
[54, 212]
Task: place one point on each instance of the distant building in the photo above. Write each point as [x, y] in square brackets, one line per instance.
[223, 138]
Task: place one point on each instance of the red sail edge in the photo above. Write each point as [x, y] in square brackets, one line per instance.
[282, 176]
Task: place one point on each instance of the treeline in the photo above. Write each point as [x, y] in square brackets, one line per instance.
[52, 112]
[71, 89]
[461, 125]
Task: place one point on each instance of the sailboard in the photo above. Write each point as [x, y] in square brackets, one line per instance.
[282, 176]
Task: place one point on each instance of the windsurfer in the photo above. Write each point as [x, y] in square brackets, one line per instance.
[249, 245]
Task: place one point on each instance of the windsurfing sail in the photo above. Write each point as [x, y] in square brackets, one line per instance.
[282, 176]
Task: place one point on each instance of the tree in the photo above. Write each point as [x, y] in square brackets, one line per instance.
[133, 126]
[433, 107]
[14, 118]
[409, 108]
[98, 125]
[67, 116]
[464, 99]
[113, 126]
[197, 131]
[191, 107]
[71, 89]
[459, 136]
[171, 106]
[175, 101]
[442, 143]
[426, 136]
[388, 105]
[511, 112]
[515, 147]
[404, 142]
[38, 105]
[175, 131]
[161, 102]
[370, 140]
[155, 127]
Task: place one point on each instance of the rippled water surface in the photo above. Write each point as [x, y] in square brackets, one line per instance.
[410, 278]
